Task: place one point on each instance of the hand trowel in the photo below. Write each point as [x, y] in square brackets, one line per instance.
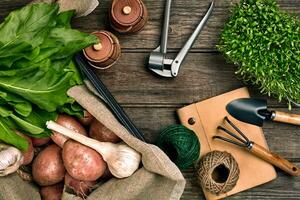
[255, 111]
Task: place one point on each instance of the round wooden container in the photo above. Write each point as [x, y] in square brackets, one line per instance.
[128, 16]
[104, 54]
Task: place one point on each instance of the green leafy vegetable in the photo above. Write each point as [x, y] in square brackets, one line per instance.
[20, 105]
[265, 44]
[9, 136]
[36, 69]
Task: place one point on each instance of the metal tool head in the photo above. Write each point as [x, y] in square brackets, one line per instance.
[248, 110]
[170, 67]
[240, 138]
[158, 63]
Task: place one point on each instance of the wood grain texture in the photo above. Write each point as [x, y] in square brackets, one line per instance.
[202, 75]
[275, 159]
[151, 101]
[287, 118]
[185, 15]
[284, 187]
[282, 139]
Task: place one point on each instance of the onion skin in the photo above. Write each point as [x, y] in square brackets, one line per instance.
[52, 192]
[70, 123]
[80, 188]
[27, 155]
[99, 132]
[82, 162]
[48, 167]
[87, 118]
[37, 142]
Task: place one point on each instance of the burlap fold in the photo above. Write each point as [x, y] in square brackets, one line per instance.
[157, 179]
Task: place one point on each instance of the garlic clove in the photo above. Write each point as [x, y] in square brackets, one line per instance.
[124, 162]
[10, 159]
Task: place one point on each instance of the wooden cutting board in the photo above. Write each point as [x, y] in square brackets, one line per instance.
[208, 115]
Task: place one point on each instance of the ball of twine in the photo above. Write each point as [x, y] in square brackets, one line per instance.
[218, 172]
[180, 144]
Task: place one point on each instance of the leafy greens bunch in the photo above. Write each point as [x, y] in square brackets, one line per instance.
[36, 70]
[264, 42]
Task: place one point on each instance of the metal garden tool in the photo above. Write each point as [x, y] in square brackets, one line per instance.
[158, 62]
[241, 140]
[255, 111]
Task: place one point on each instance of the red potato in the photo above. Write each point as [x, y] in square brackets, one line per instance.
[70, 123]
[87, 118]
[80, 188]
[52, 192]
[28, 155]
[82, 162]
[37, 142]
[47, 167]
[99, 132]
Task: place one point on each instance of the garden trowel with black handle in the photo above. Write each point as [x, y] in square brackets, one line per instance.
[255, 111]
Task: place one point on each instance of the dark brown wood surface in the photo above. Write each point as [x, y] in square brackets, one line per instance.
[151, 101]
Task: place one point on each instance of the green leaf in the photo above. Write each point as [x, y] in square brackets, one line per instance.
[73, 109]
[64, 18]
[67, 42]
[36, 68]
[24, 30]
[40, 85]
[39, 118]
[22, 124]
[20, 105]
[10, 137]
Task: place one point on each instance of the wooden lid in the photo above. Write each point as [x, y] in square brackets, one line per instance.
[127, 12]
[102, 51]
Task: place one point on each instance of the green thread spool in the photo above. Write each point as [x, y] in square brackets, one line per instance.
[180, 144]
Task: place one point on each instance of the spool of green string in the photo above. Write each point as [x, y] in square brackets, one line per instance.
[180, 144]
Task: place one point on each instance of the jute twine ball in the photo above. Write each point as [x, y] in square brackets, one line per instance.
[218, 172]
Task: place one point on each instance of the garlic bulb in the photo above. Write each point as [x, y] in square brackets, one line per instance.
[125, 162]
[10, 159]
[121, 159]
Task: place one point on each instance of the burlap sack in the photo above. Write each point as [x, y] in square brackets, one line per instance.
[157, 179]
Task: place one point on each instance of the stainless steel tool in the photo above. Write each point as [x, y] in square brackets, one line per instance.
[158, 62]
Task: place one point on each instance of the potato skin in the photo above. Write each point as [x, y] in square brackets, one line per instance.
[70, 123]
[80, 188]
[87, 118]
[52, 192]
[82, 162]
[47, 167]
[37, 142]
[28, 155]
[99, 132]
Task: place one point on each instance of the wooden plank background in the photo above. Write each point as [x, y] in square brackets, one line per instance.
[151, 101]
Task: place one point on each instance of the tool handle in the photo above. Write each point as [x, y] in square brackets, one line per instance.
[189, 43]
[286, 117]
[275, 159]
[165, 30]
